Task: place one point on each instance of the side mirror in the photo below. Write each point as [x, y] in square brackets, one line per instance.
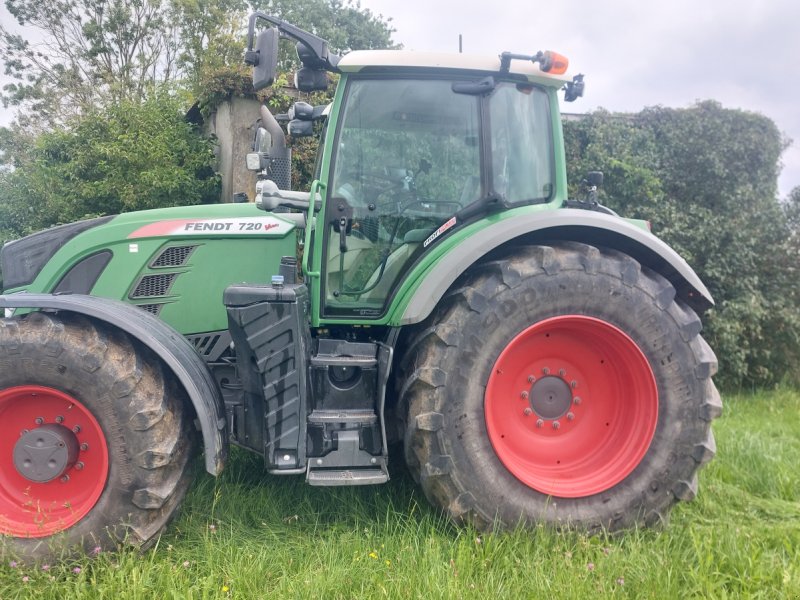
[574, 89]
[301, 110]
[594, 179]
[264, 58]
[311, 80]
[300, 128]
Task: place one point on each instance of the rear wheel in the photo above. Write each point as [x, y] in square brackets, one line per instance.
[561, 384]
[97, 444]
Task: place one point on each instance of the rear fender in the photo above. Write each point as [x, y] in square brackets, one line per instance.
[171, 347]
[550, 226]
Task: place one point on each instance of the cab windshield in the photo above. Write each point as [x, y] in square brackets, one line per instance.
[409, 155]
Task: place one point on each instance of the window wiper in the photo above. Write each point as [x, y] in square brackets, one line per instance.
[485, 204]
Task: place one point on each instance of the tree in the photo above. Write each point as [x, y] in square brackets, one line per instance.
[87, 53]
[211, 38]
[792, 210]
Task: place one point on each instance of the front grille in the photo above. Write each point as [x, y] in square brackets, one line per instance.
[204, 343]
[153, 309]
[176, 256]
[211, 346]
[154, 285]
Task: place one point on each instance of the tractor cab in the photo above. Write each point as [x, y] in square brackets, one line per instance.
[412, 159]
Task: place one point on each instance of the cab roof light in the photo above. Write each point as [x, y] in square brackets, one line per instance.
[553, 62]
[549, 61]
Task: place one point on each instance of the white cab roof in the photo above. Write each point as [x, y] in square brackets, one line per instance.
[408, 59]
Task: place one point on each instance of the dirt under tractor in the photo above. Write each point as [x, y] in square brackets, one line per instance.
[539, 358]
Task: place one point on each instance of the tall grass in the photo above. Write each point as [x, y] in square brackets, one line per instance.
[250, 535]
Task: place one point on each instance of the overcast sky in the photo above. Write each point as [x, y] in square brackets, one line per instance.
[635, 53]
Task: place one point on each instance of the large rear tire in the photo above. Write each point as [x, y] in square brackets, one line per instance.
[563, 385]
[97, 444]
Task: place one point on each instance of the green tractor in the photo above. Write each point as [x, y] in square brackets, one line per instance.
[538, 357]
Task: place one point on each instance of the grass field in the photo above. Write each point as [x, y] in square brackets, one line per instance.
[250, 535]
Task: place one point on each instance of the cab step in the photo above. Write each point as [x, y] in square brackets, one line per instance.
[332, 477]
[348, 464]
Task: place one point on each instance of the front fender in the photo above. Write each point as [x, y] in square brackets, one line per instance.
[551, 225]
[171, 347]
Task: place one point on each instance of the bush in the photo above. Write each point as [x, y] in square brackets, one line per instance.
[706, 178]
[129, 156]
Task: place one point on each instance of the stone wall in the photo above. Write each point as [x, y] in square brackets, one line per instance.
[234, 123]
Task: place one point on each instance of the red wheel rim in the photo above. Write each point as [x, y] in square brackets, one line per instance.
[571, 406]
[30, 508]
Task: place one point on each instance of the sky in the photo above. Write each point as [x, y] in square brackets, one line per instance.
[634, 53]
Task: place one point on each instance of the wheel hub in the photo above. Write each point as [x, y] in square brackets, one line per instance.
[571, 406]
[53, 465]
[550, 397]
[45, 453]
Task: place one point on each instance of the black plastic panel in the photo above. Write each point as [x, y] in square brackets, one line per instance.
[23, 259]
[270, 334]
[80, 279]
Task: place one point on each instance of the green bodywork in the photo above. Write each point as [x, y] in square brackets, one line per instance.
[193, 302]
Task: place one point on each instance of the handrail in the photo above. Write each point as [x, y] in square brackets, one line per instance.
[316, 186]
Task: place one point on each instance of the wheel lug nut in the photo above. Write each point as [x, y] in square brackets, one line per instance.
[64, 478]
[570, 416]
[546, 371]
[531, 378]
[38, 420]
[576, 400]
[76, 429]
[524, 395]
[84, 446]
[24, 431]
[79, 466]
[562, 372]
[556, 424]
[59, 419]
[527, 412]
[539, 423]
[573, 383]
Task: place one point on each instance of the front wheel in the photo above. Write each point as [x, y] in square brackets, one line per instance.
[561, 384]
[96, 444]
